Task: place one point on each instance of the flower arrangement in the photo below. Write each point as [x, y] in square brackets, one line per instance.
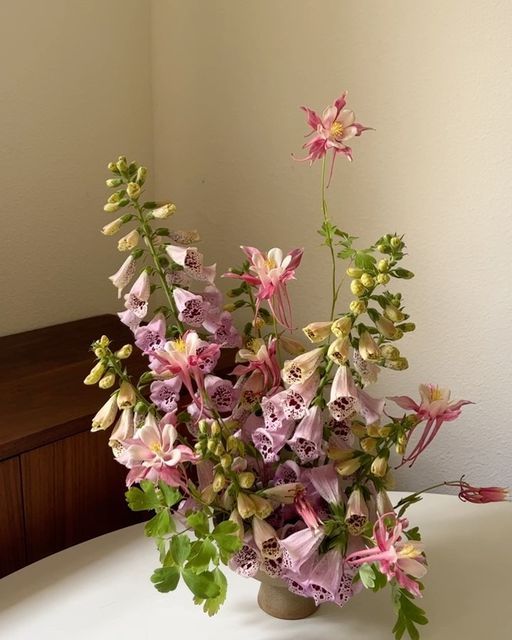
[281, 466]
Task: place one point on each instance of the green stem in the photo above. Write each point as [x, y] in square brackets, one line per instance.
[407, 499]
[329, 240]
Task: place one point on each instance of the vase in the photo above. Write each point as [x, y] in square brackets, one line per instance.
[275, 600]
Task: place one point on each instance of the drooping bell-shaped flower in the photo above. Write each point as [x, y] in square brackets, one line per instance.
[288, 471]
[192, 308]
[221, 392]
[356, 516]
[265, 538]
[367, 370]
[326, 481]
[192, 262]
[298, 397]
[298, 370]
[346, 399]
[184, 237]
[129, 319]
[246, 562]
[137, 300]
[306, 441]
[123, 276]
[151, 337]
[368, 348]
[318, 331]
[122, 430]
[269, 443]
[326, 576]
[300, 546]
[165, 394]
[106, 415]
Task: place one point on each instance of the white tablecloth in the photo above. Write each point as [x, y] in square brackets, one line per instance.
[100, 590]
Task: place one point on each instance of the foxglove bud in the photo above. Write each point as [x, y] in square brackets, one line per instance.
[226, 461]
[383, 278]
[357, 288]
[106, 415]
[122, 164]
[367, 280]
[395, 242]
[383, 266]
[354, 272]
[386, 328]
[111, 207]
[133, 190]
[373, 430]
[348, 467]
[317, 331]
[379, 467]
[389, 352]
[114, 182]
[246, 479]
[141, 175]
[357, 307]
[369, 445]
[112, 227]
[208, 495]
[394, 314]
[262, 507]
[95, 374]
[245, 505]
[215, 428]
[124, 352]
[400, 364]
[129, 241]
[219, 482]
[126, 397]
[342, 326]
[358, 429]
[104, 341]
[165, 211]
[108, 380]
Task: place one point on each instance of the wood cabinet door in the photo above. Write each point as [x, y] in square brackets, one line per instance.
[73, 490]
[12, 538]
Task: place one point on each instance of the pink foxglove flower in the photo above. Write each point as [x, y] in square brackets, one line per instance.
[151, 454]
[192, 262]
[326, 578]
[220, 325]
[395, 556]
[221, 393]
[269, 443]
[299, 547]
[246, 562]
[129, 319]
[151, 337]
[327, 482]
[192, 308]
[123, 276]
[298, 370]
[265, 538]
[137, 300]
[331, 131]
[165, 394]
[271, 273]
[356, 516]
[347, 399]
[306, 441]
[435, 408]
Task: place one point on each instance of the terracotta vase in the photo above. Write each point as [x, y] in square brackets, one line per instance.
[275, 599]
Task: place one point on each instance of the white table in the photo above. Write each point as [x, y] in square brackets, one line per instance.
[100, 590]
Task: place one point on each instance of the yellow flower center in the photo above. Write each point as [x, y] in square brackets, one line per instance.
[179, 345]
[156, 447]
[436, 394]
[337, 130]
[409, 551]
[270, 263]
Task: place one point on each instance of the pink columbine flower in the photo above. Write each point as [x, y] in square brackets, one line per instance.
[480, 495]
[435, 408]
[151, 455]
[137, 300]
[261, 358]
[192, 262]
[271, 273]
[332, 130]
[151, 337]
[396, 557]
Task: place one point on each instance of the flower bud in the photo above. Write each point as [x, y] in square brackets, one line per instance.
[394, 314]
[367, 280]
[203, 427]
[104, 341]
[99, 352]
[262, 507]
[373, 430]
[112, 227]
[219, 450]
[317, 331]
[208, 495]
[133, 190]
[246, 479]
[140, 178]
[395, 242]
[239, 464]
[291, 346]
[385, 431]
[383, 278]
[245, 505]
[389, 352]
[112, 167]
[369, 445]
[122, 164]
[386, 328]
[407, 326]
[219, 482]
[357, 307]
[338, 350]
[368, 348]
[357, 288]
[232, 443]
[95, 374]
[383, 503]
[129, 241]
[124, 352]
[211, 445]
[354, 272]
[358, 429]
[342, 326]
[215, 428]
[126, 397]
[382, 248]
[226, 461]
[107, 381]
[383, 266]
[111, 207]
[400, 364]
[348, 467]
[163, 212]
[379, 467]
[335, 453]
[114, 182]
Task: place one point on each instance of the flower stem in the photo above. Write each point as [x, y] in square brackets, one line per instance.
[329, 242]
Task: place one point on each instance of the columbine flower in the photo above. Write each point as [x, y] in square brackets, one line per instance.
[272, 272]
[137, 300]
[192, 262]
[306, 442]
[480, 495]
[106, 415]
[435, 408]
[302, 367]
[123, 276]
[261, 358]
[356, 516]
[151, 455]
[332, 130]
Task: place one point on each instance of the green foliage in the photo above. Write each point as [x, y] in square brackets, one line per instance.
[180, 548]
[202, 553]
[364, 260]
[402, 273]
[367, 576]
[160, 525]
[143, 499]
[212, 605]
[199, 523]
[202, 585]
[408, 614]
[166, 579]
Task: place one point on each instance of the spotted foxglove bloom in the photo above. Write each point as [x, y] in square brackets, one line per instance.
[221, 393]
[331, 131]
[297, 398]
[287, 472]
[151, 337]
[220, 325]
[368, 371]
[151, 454]
[122, 430]
[435, 408]
[346, 399]
[329, 581]
[246, 562]
[269, 443]
[129, 319]
[192, 308]
[123, 276]
[395, 556]
[269, 273]
[265, 538]
[300, 546]
[184, 237]
[298, 370]
[106, 415]
[165, 394]
[306, 441]
[137, 300]
[318, 331]
[356, 516]
[327, 482]
[192, 262]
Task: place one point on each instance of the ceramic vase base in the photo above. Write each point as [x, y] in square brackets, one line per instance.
[278, 602]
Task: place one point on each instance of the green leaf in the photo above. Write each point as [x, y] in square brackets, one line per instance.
[199, 522]
[202, 585]
[171, 495]
[364, 260]
[402, 273]
[165, 579]
[226, 536]
[143, 499]
[212, 605]
[345, 254]
[203, 552]
[159, 525]
[413, 534]
[180, 549]
[367, 576]
[151, 205]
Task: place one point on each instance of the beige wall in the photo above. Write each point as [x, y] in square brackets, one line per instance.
[75, 93]
[434, 79]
